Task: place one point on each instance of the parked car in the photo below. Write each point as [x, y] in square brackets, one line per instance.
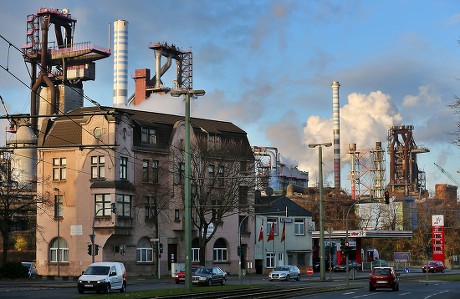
[433, 266]
[383, 277]
[103, 277]
[31, 270]
[285, 273]
[209, 276]
[351, 266]
[180, 276]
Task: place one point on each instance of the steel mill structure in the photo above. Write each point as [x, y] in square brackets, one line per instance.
[120, 63]
[336, 121]
[59, 70]
[405, 176]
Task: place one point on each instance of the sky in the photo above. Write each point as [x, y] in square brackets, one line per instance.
[267, 66]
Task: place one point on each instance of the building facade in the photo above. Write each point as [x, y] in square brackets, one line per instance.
[116, 179]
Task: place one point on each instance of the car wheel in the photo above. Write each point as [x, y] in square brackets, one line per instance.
[270, 279]
[371, 288]
[223, 281]
[298, 277]
[123, 288]
[81, 291]
[287, 277]
[209, 282]
[107, 288]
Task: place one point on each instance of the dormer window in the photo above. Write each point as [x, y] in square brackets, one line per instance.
[148, 136]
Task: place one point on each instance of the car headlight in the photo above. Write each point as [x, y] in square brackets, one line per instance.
[101, 281]
[202, 278]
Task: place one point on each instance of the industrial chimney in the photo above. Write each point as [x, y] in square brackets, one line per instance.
[336, 121]
[120, 63]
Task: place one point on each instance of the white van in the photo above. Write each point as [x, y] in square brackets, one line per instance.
[103, 277]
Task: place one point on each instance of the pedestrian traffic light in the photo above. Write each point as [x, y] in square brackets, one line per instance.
[239, 250]
[387, 197]
[161, 247]
[96, 249]
[89, 249]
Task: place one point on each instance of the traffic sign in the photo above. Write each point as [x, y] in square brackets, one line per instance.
[310, 271]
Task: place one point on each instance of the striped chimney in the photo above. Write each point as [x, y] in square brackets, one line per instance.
[336, 123]
[120, 63]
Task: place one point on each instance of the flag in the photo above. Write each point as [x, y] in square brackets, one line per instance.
[271, 235]
[283, 235]
[261, 233]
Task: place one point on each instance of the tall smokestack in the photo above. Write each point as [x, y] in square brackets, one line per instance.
[120, 63]
[336, 121]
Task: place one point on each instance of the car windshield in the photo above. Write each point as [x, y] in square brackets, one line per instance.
[203, 271]
[97, 270]
[281, 269]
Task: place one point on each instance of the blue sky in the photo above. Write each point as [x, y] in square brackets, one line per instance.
[267, 66]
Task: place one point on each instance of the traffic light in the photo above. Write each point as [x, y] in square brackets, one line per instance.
[387, 197]
[161, 247]
[89, 249]
[96, 249]
[239, 250]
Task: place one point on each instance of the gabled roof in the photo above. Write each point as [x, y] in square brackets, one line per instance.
[69, 133]
[277, 205]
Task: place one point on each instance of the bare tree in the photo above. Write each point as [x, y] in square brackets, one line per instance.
[455, 106]
[222, 178]
[18, 203]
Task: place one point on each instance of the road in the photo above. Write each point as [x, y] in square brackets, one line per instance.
[413, 286]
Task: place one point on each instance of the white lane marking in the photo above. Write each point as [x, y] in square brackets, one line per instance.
[432, 295]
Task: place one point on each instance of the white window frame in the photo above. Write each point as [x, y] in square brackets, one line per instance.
[98, 167]
[123, 168]
[124, 205]
[270, 259]
[59, 251]
[195, 254]
[59, 169]
[299, 227]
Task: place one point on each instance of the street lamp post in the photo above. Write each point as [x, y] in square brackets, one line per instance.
[187, 187]
[240, 249]
[321, 208]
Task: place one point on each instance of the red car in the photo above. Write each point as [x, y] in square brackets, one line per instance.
[383, 277]
[180, 276]
[433, 266]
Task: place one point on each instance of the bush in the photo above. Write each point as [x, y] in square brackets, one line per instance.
[13, 270]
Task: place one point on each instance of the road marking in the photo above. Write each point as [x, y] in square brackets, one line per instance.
[349, 293]
[404, 294]
[432, 295]
[365, 295]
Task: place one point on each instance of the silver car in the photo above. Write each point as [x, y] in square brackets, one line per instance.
[285, 273]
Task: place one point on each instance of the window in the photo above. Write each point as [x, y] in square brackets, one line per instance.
[180, 173]
[155, 171]
[144, 251]
[57, 206]
[149, 207]
[145, 170]
[220, 175]
[103, 205]
[59, 251]
[123, 168]
[176, 215]
[270, 260]
[271, 221]
[195, 251]
[299, 227]
[220, 251]
[148, 136]
[211, 174]
[59, 169]
[195, 254]
[243, 195]
[124, 205]
[97, 167]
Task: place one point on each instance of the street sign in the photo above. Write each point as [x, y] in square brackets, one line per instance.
[310, 271]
